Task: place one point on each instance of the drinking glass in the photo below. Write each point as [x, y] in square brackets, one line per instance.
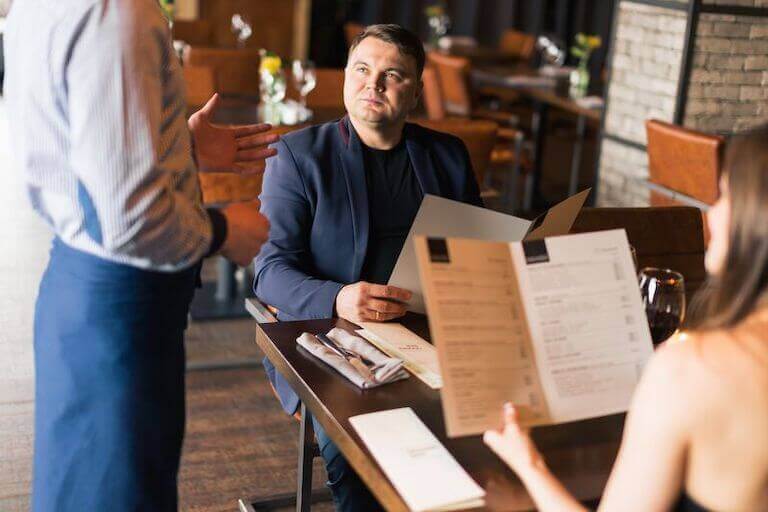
[304, 78]
[663, 292]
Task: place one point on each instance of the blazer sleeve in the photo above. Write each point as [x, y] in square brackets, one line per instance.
[282, 268]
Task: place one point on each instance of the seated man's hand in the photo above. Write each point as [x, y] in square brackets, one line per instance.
[367, 302]
[239, 149]
[247, 231]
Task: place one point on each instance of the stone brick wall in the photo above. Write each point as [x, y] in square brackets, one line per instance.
[644, 73]
[729, 73]
[727, 88]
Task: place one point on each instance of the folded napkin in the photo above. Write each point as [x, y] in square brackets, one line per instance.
[382, 370]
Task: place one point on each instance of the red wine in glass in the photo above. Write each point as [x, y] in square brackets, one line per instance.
[662, 324]
[663, 293]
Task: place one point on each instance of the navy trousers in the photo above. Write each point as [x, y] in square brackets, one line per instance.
[109, 374]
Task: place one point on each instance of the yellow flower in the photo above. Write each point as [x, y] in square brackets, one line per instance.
[594, 41]
[271, 64]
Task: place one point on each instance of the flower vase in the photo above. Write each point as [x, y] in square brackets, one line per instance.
[579, 80]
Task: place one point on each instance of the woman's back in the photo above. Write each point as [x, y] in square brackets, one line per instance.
[727, 383]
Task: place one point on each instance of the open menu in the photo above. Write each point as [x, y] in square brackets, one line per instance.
[440, 217]
[555, 326]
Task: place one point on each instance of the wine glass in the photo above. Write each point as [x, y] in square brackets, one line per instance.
[304, 78]
[241, 27]
[663, 292]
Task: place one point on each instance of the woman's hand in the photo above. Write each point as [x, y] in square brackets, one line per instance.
[513, 443]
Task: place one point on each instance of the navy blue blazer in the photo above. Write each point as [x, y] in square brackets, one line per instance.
[315, 197]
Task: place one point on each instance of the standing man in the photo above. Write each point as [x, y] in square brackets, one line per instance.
[97, 110]
[341, 198]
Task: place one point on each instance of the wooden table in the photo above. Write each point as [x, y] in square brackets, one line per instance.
[490, 81]
[581, 454]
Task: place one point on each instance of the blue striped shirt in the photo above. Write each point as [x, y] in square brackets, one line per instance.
[97, 117]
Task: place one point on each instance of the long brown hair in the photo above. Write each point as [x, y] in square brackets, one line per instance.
[741, 286]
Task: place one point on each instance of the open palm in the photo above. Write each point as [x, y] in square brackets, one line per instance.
[221, 148]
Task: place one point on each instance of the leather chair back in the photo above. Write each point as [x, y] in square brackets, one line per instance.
[665, 237]
[328, 91]
[432, 94]
[684, 161]
[200, 85]
[517, 44]
[236, 71]
[478, 136]
[453, 76]
[351, 31]
[194, 32]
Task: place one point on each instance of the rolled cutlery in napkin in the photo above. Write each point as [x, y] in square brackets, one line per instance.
[381, 370]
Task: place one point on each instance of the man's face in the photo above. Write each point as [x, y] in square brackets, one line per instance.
[380, 84]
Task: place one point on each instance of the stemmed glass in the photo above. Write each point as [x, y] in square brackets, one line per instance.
[304, 78]
[663, 293]
[241, 27]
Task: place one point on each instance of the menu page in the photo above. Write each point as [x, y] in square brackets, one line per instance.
[477, 323]
[586, 320]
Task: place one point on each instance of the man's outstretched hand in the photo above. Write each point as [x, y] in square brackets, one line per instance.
[220, 148]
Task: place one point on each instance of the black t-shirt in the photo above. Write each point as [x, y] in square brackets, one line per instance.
[394, 197]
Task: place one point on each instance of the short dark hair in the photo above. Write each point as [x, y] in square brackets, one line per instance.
[406, 41]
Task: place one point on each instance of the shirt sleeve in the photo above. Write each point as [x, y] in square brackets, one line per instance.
[115, 77]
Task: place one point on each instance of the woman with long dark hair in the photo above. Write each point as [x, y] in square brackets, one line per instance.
[696, 435]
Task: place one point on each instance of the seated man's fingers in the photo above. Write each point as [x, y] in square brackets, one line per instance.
[382, 291]
[386, 306]
[253, 141]
[378, 316]
[246, 155]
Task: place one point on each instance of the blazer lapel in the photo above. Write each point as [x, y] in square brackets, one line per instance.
[421, 159]
[353, 165]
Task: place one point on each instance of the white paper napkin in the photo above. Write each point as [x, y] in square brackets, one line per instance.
[383, 369]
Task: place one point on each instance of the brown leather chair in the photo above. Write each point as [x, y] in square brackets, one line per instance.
[352, 29]
[666, 237]
[200, 84]
[479, 137]
[447, 92]
[431, 96]
[683, 161]
[328, 92]
[194, 32]
[236, 71]
[517, 44]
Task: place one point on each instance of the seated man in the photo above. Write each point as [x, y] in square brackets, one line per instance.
[341, 198]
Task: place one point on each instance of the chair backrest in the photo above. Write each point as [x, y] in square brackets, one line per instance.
[328, 91]
[478, 136]
[453, 76]
[223, 187]
[194, 32]
[684, 161]
[200, 84]
[517, 44]
[432, 95]
[665, 237]
[351, 31]
[236, 71]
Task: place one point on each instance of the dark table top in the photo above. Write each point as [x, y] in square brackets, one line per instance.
[245, 110]
[490, 80]
[581, 454]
